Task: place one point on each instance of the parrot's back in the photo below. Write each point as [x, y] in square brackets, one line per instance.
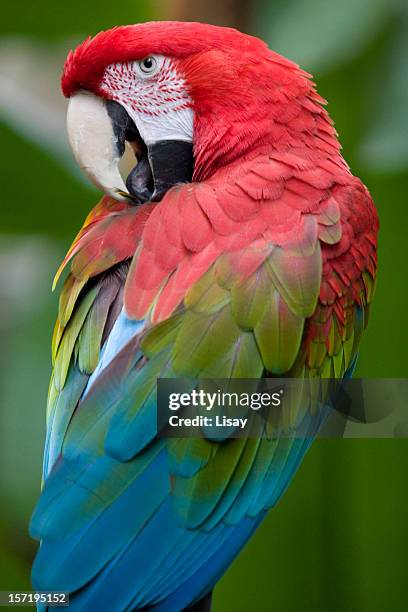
[261, 266]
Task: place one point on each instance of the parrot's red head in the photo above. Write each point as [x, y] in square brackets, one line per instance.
[181, 91]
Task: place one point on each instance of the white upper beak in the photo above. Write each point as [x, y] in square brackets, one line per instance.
[94, 143]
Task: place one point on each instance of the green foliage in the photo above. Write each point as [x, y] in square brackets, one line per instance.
[320, 34]
[52, 20]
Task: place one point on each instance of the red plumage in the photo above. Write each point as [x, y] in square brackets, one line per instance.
[84, 67]
[247, 99]
[263, 265]
[270, 160]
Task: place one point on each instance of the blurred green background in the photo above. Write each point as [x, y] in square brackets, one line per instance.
[338, 540]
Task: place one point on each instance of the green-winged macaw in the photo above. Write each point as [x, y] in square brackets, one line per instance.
[239, 246]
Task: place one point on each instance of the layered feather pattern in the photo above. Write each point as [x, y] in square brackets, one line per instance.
[263, 266]
[269, 274]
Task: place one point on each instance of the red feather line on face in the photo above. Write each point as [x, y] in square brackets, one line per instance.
[84, 67]
[247, 99]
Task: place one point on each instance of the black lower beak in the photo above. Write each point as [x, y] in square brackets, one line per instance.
[139, 182]
[160, 166]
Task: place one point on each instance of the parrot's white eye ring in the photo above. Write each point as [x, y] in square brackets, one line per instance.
[148, 65]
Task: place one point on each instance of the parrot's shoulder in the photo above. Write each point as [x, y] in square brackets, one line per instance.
[282, 199]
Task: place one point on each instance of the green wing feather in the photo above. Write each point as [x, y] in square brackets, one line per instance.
[287, 316]
[83, 319]
[242, 328]
[247, 328]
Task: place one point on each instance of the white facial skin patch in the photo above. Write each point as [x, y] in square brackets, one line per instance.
[155, 97]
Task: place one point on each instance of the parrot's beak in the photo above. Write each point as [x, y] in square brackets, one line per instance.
[94, 143]
[98, 130]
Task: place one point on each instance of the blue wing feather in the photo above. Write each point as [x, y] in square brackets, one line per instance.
[108, 518]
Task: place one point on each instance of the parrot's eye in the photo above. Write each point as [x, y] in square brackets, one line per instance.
[148, 65]
[145, 104]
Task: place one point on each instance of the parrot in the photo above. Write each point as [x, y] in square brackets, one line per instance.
[239, 246]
